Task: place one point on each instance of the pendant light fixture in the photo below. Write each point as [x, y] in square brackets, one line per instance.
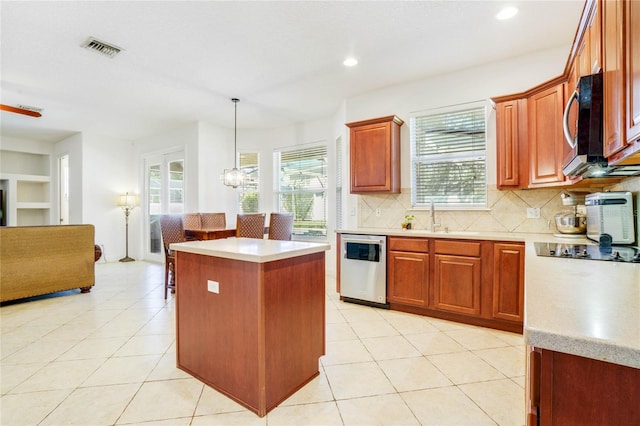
[234, 177]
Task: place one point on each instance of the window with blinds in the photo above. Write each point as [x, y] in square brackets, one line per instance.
[449, 159]
[248, 194]
[301, 188]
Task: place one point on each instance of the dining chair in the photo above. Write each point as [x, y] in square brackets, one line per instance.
[280, 226]
[250, 225]
[192, 221]
[213, 220]
[172, 231]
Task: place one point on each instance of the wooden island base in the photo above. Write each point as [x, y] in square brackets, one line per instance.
[259, 338]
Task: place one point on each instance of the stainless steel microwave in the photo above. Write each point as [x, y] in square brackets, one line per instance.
[588, 160]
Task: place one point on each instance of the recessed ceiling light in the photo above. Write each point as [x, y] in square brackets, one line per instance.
[350, 62]
[507, 13]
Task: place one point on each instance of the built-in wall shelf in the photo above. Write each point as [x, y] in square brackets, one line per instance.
[27, 199]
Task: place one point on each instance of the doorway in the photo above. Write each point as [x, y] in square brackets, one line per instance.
[164, 194]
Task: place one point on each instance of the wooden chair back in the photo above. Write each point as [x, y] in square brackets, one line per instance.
[280, 226]
[250, 225]
[192, 221]
[213, 220]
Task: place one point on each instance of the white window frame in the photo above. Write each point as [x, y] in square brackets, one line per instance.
[300, 231]
[252, 185]
[478, 154]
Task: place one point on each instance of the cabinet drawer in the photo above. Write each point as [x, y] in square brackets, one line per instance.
[419, 245]
[458, 248]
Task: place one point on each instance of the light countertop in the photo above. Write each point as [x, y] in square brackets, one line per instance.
[250, 249]
[588, 308]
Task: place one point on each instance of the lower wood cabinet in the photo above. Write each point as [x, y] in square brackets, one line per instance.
[456, 277]
[508, 285]
[408, 271]
[567, 390]
[476, 282]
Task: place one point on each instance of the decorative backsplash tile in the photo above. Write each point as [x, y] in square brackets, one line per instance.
[507, 210]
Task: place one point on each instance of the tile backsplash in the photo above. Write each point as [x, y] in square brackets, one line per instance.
[507, 210]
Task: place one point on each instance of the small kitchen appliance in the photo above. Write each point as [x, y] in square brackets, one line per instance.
[611, 214]
[571, 223]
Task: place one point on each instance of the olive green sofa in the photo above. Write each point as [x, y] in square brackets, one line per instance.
[37, 260]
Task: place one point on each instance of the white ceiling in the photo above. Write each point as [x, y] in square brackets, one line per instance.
[183, 61]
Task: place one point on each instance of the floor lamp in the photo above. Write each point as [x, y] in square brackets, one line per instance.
[128, 202]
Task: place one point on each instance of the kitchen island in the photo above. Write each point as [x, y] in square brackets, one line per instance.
[250, 316]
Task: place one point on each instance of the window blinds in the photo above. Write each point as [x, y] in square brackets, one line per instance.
[448, 159]
[302, 182]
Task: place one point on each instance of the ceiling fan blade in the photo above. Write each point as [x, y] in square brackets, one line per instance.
[20, 110]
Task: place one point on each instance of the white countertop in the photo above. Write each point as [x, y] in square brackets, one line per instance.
[250, 249]
[588, 308]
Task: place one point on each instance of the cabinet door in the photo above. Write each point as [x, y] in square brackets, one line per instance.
[457, 284]
[612, 30]
[408, 278]
[375, 155]
[546, 139]
[508, 282]
[632, 27]
[509, 144]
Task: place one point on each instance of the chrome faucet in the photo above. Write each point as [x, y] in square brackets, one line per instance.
[434, 224]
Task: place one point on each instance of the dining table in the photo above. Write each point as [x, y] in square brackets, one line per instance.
[209, 234]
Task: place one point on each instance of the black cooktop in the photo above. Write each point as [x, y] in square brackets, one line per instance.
[589, 252]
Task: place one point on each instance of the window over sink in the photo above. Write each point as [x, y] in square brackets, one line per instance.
[449, 157]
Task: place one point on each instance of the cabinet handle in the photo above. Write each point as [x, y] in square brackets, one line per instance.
[572, 141]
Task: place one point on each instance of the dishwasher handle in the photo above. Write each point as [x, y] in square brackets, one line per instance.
[354, 240]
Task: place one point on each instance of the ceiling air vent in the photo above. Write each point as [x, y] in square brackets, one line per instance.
[102, 47]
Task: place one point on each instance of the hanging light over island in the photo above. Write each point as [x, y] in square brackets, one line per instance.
[234, 177]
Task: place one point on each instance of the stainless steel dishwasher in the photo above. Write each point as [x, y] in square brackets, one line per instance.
[363, 269]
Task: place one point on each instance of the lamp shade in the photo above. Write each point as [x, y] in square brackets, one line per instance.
[233, 177]
[127, 200]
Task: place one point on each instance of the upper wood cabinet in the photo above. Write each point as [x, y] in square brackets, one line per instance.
[546, 139]
[511, 144]
[375, 155]
[613, 90]
[621, 50]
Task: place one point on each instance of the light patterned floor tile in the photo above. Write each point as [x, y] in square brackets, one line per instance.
[245, 418]
[98, 405]
[434, 343]
[357, 380]
[12, 375]
[317, 390]
[59, 375]
[345, 352]
[445, 407]
[501, 399]
[339, 331]
[464, 367]
[391, 347]
[413, 374]
[163, 400]
[94, 348]
[146, 345]
[510, 361]
[376, 410]
[132, 369]
[29, 409]
[322, 413]
[213, 402]
[474, 339]
[373, 328]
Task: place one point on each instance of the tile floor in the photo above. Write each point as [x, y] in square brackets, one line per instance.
[108, 358]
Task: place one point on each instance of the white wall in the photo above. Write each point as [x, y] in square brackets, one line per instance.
[113, 171]
[215, 154]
